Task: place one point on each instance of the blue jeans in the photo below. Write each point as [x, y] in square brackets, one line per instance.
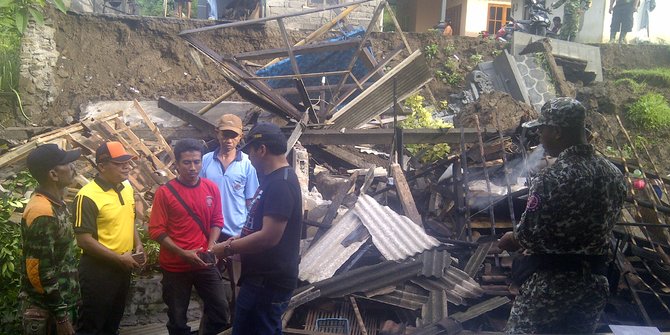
[177, 294]
[213, 12]
[258, 310]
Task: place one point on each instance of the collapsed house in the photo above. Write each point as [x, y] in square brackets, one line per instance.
[392, 245]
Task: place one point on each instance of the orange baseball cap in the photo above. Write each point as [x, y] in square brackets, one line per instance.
[112, 152]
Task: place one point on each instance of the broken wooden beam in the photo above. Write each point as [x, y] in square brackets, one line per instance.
[299, 50]
[187, 115]
[405, 195]
[385, 136]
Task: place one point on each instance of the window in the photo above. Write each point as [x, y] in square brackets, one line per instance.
[498, 15]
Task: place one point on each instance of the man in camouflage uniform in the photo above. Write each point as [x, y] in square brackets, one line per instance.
[49, 284]
[572, 13]
[571, 210]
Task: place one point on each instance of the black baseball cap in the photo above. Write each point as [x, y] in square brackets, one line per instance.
[47, 156]
[265, 133]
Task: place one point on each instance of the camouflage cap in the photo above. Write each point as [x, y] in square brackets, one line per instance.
[561, 112]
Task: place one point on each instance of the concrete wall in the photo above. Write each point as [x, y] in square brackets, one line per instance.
[361, 16]
[597, 21]
[37, 79]
[424, 14]
[427, 14]
[477, 14]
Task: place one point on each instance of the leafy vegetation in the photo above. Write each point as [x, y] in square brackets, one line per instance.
[657, 77]
[151, 250]
[14, 18]
[422, 117]
[12, 198]
[430, 51]
[651, 112]
[449, 49]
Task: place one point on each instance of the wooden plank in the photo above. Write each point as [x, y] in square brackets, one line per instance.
[385, 136]
[366, 36]
[359, 318]
[405, 195]
[299, 50]
[322, 30]
[371, 74]
[269, 18]
[19, 153]
[147, 121]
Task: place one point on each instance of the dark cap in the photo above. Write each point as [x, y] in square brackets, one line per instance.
[560, 112]
[264, 132]
[112, 152]
[47, 156]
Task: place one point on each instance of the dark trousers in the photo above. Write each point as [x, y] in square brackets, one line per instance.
[104, 289]
[258, 310]
[177, 294]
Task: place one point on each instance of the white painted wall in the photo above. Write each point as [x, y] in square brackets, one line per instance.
[477, 14]
[597, 21]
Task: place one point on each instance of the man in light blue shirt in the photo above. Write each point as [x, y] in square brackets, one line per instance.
[232, 171]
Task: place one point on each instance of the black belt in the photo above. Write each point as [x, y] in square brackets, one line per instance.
[594, 264]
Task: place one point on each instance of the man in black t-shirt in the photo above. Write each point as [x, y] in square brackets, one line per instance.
[270, 238]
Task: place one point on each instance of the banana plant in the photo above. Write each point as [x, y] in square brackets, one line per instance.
[17, 13]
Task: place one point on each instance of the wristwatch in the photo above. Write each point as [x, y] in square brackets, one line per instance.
[228, 248]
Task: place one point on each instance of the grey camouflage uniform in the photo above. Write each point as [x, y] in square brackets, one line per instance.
[572, 208]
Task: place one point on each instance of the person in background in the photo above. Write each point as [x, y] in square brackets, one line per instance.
[448, 31]
[180, 8]
[231, 170]
[556, 25]
[104, 224]
[186, 220]
[213, 10]
[572, 13]
[233, 173]
[270, 239]
[49, 283]
[622, 18]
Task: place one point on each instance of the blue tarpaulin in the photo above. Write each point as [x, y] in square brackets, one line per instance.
[317, 62]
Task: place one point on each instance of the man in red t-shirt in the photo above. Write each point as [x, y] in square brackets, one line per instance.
[186, 219]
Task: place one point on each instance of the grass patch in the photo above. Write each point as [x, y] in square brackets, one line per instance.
[634, 85]
[650, 112]
[657, 77]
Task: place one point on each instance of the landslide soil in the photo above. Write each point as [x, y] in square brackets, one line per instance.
[129, 57]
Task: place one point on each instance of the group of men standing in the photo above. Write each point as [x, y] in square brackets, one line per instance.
[564, 233]
[215, 209]
[573, 17]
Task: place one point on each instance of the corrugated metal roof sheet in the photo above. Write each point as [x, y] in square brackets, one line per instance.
[435, 262]
[411, 74]
[394, 235]
[400, 299]
[328, 253]
[435, 309]
[369, 278]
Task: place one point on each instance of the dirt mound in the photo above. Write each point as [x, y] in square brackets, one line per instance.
[131, 57]
[493, 108]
